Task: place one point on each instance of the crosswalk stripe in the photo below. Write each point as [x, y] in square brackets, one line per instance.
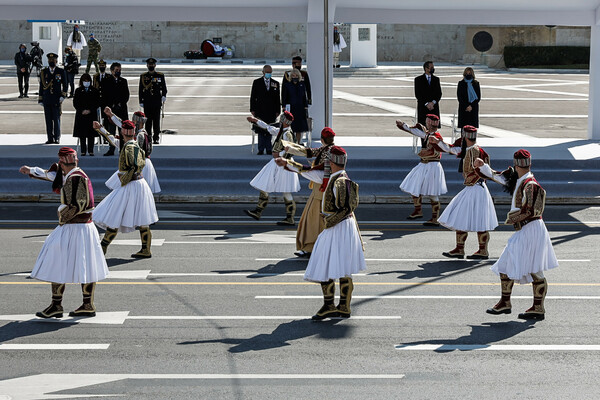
[427, 297]
[54, 346]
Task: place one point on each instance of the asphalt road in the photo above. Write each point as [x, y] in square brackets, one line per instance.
[538, 105]
[221, 311]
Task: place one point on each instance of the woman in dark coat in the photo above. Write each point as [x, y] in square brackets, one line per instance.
[295, 97]
[469, 94]
[86, 102]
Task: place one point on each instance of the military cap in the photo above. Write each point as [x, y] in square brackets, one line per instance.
[151, 60]
[51, 55]
[102, 63]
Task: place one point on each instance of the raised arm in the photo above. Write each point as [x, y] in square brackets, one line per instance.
[416, 130]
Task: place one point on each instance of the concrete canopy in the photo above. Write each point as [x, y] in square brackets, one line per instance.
[313, 13]
[496, 12]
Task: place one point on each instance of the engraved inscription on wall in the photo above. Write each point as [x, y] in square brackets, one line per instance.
[104, 31]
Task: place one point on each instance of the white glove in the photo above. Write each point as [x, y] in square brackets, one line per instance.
[164, 99]
[282, 153]
[61, 100]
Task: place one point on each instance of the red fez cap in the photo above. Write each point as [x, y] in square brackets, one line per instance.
[288, 115]
[433, 117]
[140, 114]
[127, 124]
[469, 128]
[327, 132]
[65, 151]
[522, 158]
[338, 155]
[470, 132]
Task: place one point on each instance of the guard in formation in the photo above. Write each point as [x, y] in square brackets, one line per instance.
[52, 92]
[72, 252]
[272, 178]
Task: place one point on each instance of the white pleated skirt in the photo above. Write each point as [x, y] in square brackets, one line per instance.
[426, 179]
[127, 207]
[275, 179]
[471, 210]
[149, 174]
[528, 251]
[71, 254]
[337, 253]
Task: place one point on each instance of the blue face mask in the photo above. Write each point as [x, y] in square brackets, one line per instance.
[22, 49]
[268, 75]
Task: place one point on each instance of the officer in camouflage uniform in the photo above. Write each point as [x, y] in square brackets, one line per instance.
[94, 49]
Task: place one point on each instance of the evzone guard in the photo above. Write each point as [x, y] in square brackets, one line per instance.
[427, 178]
[338, 252]
[72, 252]
[311, 223]
[144, 141]
[130, 205]
[472, 209]
[529, 251]
[273, 178]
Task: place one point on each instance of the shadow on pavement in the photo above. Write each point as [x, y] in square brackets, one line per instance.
[484, 334]
[19, 329]
[280, 268]
[283, 334]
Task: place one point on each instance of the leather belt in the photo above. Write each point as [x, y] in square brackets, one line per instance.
[81, 219]
[521, 224]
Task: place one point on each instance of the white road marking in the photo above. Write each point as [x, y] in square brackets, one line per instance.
[487, 99]
[36, 386]
[54, 346]
[498, 347]
[101, 318]
[427, 297]
[127, 242]
[135, 274]
[251, 317]
[411, 259]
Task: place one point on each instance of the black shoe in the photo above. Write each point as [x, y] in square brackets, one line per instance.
[287, 222]
[253, 214]
[532, 316]
[52, 311]
[260, 153]
[477, 257]
[110, 152]
[302, 254]
[25, 95]
[82, 154]
[49, 142]
[493, 311]
[57, 141]
[155, 141]
[20, 96]
[91, 154]
[326, 312]
[449, 255]
[82, 311]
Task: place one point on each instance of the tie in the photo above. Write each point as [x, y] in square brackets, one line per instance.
[267, 83]
[429, 79]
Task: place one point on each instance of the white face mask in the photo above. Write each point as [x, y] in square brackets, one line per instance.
[86, 84]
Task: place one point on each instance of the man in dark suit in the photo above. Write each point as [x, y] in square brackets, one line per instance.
[152, 94]
[53, 90]
[264, 105]
[115, 94]
[98, 80]
[428, 93]
[23, 63]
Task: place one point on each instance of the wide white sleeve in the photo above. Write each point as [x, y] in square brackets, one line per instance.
[493, 175]
[448, 149]
[117, 121]
[273, 130]
[413, 131]
[342, 42]
[315, 176]
[42, 173]
[70, 40]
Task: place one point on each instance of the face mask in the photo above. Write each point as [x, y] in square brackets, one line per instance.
[268, 75]
[151, 68]
[76, 29]
[86, 84]
[298, 67]
[22, 50]
[468, 77]
[102, 69]
[295, 80]
[117, 73]
[432, 71]
[52, 64]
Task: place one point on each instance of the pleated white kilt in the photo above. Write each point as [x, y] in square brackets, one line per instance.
[71, 254]
[471, 210]
[127, 207]
[149, 174]
[528, 251]
[337, 253]
[426, 179]
[275, 179]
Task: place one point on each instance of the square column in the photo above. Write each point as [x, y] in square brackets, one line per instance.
[316, 70]
[594, 96]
